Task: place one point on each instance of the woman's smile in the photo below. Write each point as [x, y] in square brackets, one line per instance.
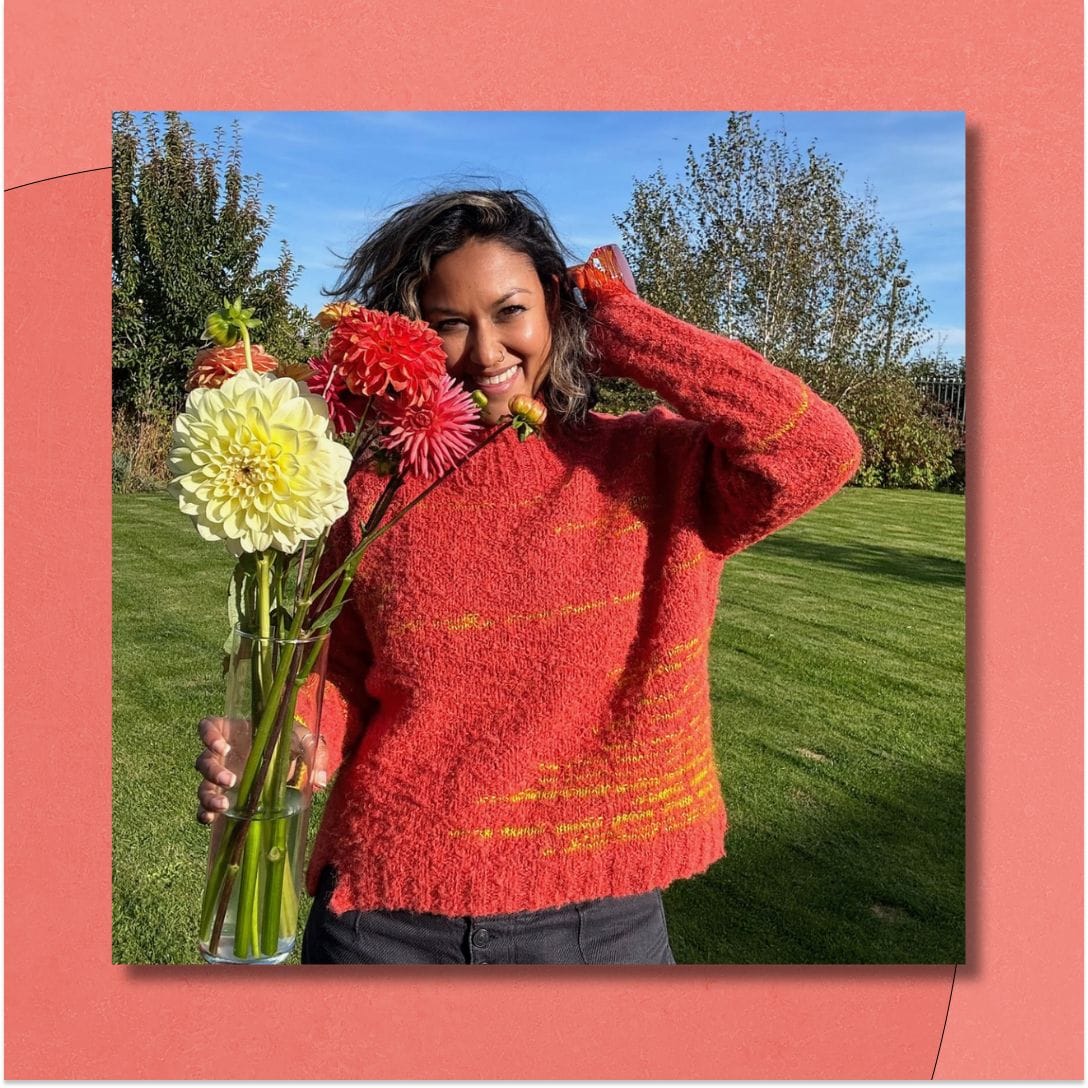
[498, 379]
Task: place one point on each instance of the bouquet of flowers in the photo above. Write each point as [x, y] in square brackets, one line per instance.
[261, 458]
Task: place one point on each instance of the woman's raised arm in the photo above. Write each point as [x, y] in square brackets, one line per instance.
[765, 447]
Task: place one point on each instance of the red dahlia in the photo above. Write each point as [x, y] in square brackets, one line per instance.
[377, 352]
[345, 407]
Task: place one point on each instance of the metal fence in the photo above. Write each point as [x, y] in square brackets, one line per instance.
[947, 397]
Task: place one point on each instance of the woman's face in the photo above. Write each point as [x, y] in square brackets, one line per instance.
[485, 300]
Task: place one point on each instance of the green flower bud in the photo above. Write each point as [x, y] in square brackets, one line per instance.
[225, 325]
[219, 330]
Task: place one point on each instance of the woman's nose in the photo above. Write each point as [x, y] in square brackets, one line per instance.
[485, 350]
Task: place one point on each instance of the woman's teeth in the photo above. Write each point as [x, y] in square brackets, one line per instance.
[498, 379]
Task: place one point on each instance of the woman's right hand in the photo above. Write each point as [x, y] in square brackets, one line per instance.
[220, 766]
[212, 765]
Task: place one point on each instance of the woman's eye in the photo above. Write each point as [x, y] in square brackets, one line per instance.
[448, 325]
[511, 311]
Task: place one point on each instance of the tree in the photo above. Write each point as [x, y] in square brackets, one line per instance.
[188, 227]
[761, 243]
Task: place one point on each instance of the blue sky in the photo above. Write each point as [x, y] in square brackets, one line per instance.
[330, 175]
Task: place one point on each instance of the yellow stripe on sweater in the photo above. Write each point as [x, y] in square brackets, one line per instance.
[788, 426]
[703, 762]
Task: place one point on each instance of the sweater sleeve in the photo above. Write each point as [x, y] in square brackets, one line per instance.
[764, 448]
[346, 706]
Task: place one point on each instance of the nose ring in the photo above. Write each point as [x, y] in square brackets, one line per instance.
[502, 355]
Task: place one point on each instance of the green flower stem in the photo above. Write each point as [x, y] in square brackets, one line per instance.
[303, 597]
[244, 930]
[379, 531]
[246, 346]
[272, 907]
[371, 532]
[300, 573]
[289, 903]
[280, 568]
[360, 427]
[304, 600]
[276, 833]
[269, 726]
[220, 883]
[315, 602]
[264, 623]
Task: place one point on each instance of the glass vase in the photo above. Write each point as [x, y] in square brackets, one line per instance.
[256, 858]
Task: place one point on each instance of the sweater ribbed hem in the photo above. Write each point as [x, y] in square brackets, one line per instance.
[622, 869]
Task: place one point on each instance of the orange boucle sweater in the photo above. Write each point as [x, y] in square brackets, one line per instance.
[520, 711]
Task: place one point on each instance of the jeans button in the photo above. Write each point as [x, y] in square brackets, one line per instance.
[480, 938]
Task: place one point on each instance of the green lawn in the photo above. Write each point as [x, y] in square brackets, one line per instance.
[837, 673]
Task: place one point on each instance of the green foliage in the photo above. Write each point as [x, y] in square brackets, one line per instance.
[188, 227]
[905, 444]
[761, 243]
[937, 365]
[618, 395]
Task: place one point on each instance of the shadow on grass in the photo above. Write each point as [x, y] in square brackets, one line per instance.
[882, 879]
[879, 561]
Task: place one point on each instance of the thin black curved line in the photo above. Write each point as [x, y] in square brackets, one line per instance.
[933, 1075]
[56, 177]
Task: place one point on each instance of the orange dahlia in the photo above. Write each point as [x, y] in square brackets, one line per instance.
[379, 352]
[214, 365]
[529, 415]
[298, 372]
[329, 315]
[432, 435]
[533, 411]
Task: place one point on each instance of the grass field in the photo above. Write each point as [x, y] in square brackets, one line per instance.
[837, 676]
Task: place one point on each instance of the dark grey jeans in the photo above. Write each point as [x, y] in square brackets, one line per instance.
[628, 929]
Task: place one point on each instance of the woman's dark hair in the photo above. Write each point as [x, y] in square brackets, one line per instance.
[388, 272]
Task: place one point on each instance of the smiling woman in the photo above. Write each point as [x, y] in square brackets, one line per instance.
[486, 270]
[518, 725]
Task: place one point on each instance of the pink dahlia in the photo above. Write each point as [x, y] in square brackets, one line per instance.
[345, 407]
[432, 436]
[378, 352]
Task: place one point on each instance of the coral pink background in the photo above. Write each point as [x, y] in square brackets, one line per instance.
[1016, 1007]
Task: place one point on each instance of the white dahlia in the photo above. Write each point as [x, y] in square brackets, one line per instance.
[254, 465]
